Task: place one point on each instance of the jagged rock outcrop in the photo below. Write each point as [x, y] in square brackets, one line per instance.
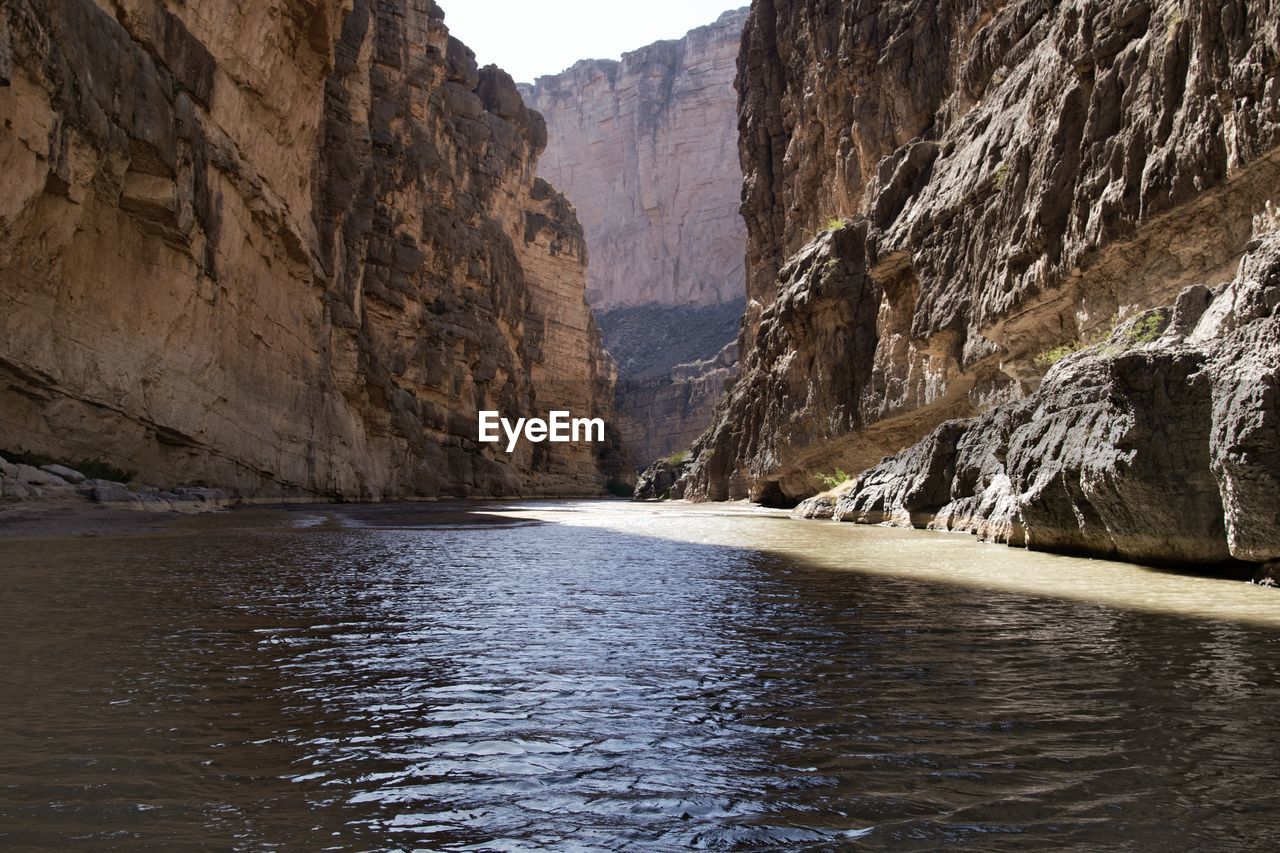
[646, 149]
[287, 247]
[656, 481]
[1161, 444]
[938, 193]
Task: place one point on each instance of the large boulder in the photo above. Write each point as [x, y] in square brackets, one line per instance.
[70, 475]
[36, 477]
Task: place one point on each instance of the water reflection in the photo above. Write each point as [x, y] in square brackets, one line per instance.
[585, 682]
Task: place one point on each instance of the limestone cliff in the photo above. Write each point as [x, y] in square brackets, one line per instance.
[287, 247]
[646, 149]
[939, 194]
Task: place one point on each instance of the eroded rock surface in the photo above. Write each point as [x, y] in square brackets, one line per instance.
[673, 366]
[657, 481]
[1161, 444]
[935, 199]
[657, 417]
[287, 247]
[647, 151]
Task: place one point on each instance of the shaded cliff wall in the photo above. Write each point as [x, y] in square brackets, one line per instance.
[287, 247]
[668, 385]
[1008, 177]
[646, 149]
[660, 417]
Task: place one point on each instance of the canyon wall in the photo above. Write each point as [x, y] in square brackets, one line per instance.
[673, 367]
[939, 195]
[288, 248]
[646, 149]
[660, 417]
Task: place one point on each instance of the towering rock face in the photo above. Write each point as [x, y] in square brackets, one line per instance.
[287, 247]
[646, 149]
[938, 194]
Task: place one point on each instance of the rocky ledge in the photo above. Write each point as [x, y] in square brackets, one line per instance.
[1160, 444]
[20, 482]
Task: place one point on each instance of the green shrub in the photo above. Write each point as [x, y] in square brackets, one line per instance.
[678, 458]
[831, 481]
[1049, 358]
[1146, 330]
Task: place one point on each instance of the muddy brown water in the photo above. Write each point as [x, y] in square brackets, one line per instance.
[604, 675]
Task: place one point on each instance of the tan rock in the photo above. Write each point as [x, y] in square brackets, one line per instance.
[646, 149]
[286, 248]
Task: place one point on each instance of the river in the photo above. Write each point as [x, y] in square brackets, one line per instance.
[605, 675]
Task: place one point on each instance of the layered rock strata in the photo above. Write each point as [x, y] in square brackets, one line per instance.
[1161, 444]
[935, 199]
[647, 150]
[289, 248]
[673, 367]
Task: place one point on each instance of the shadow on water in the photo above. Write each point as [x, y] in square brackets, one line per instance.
[364, 680]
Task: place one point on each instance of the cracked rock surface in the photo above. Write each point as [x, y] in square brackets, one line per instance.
[1164, 451]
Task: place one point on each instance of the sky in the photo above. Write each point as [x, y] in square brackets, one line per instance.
[531, 39]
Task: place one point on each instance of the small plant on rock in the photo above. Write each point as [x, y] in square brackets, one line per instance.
[1146, 330]
[1000, 175]
[1050, 357]
[831, 481]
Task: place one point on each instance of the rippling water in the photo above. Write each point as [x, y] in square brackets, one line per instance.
[605, 675]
